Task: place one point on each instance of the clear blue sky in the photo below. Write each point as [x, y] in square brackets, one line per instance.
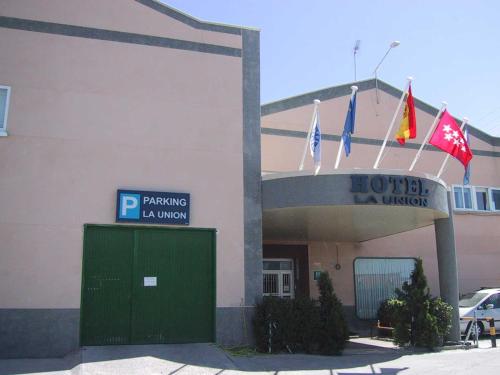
[451, 48]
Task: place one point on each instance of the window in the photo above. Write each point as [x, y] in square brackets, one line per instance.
[495, 199]
[375, 280]
[482, 199]
[471, 299]
[277, 264]
[462, 197]
[476, 198]
[493, 300]
[4, 109]
[278, 278]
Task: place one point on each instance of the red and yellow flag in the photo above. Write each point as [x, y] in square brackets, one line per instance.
[408, 127]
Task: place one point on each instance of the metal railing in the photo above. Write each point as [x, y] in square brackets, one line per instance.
[473, 329]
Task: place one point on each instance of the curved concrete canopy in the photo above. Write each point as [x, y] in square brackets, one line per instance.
[350, 206]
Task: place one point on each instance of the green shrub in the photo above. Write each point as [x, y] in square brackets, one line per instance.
[333, 334]
[443, 313]
[305, 325]
[388, 315]
[420, 320]
[301, 325]
[387, 312]
[275, 312]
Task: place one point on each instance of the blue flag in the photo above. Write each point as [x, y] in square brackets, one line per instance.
[467, 170]
[349, 125]
[315, 143]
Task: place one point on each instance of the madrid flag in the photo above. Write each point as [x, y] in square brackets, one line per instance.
[449, 138]
[408, 127]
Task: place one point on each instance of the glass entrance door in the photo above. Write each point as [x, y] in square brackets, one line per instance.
[278, 278]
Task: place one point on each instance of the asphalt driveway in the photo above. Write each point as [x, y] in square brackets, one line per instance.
[363, 356]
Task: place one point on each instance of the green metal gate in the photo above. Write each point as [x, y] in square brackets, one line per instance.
[144, 285]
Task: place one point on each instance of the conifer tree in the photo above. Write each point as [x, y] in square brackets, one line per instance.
[333, 333]
[418, 322]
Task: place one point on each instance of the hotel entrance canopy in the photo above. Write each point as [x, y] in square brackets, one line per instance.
[351, 205]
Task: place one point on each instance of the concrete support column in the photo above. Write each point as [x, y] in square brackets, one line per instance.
[447, 266]
[252, 185]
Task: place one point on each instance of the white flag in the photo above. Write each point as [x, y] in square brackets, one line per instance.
[315, 143]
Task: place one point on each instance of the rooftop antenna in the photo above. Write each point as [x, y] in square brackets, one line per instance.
[355, 51]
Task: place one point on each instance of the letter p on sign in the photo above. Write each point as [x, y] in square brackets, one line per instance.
[129, 206]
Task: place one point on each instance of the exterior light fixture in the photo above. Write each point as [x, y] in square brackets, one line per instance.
[391, 46]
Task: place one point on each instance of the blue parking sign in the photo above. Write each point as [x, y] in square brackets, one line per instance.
[155, 207]
[129, 206]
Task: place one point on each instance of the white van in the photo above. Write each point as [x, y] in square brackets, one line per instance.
[485, 303]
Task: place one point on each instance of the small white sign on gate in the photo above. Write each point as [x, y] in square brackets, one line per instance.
[150, 281]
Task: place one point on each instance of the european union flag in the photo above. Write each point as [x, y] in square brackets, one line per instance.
[349, 124]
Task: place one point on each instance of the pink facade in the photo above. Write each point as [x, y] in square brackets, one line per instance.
[109, 95]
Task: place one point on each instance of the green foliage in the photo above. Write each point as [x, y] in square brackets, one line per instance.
[301, 324]
[443, 313]
[241, 351]
[419, 320]
[334, 333]
[274, 311]
[388, 316]
[304, 326]
[402, 332]
[387, 312]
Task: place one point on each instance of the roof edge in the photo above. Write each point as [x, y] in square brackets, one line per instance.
[345, 90]
[193, 21]
[307, 98]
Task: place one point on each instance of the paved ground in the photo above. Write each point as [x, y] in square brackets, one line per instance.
[364, 356]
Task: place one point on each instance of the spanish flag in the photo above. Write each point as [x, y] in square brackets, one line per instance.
[408, 127]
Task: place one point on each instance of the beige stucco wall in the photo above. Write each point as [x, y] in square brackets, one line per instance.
[88, 117]
[119, 15]
[323, 257]
[477, 236]
[477, 240]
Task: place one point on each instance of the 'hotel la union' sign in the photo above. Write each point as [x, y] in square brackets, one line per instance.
[390, 190]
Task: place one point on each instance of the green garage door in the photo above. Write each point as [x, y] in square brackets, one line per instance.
[147, 285]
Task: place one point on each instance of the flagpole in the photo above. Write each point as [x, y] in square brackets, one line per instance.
[341, 145]
[405, 91]
[316, 105]
[464, 122]
[443, 107]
